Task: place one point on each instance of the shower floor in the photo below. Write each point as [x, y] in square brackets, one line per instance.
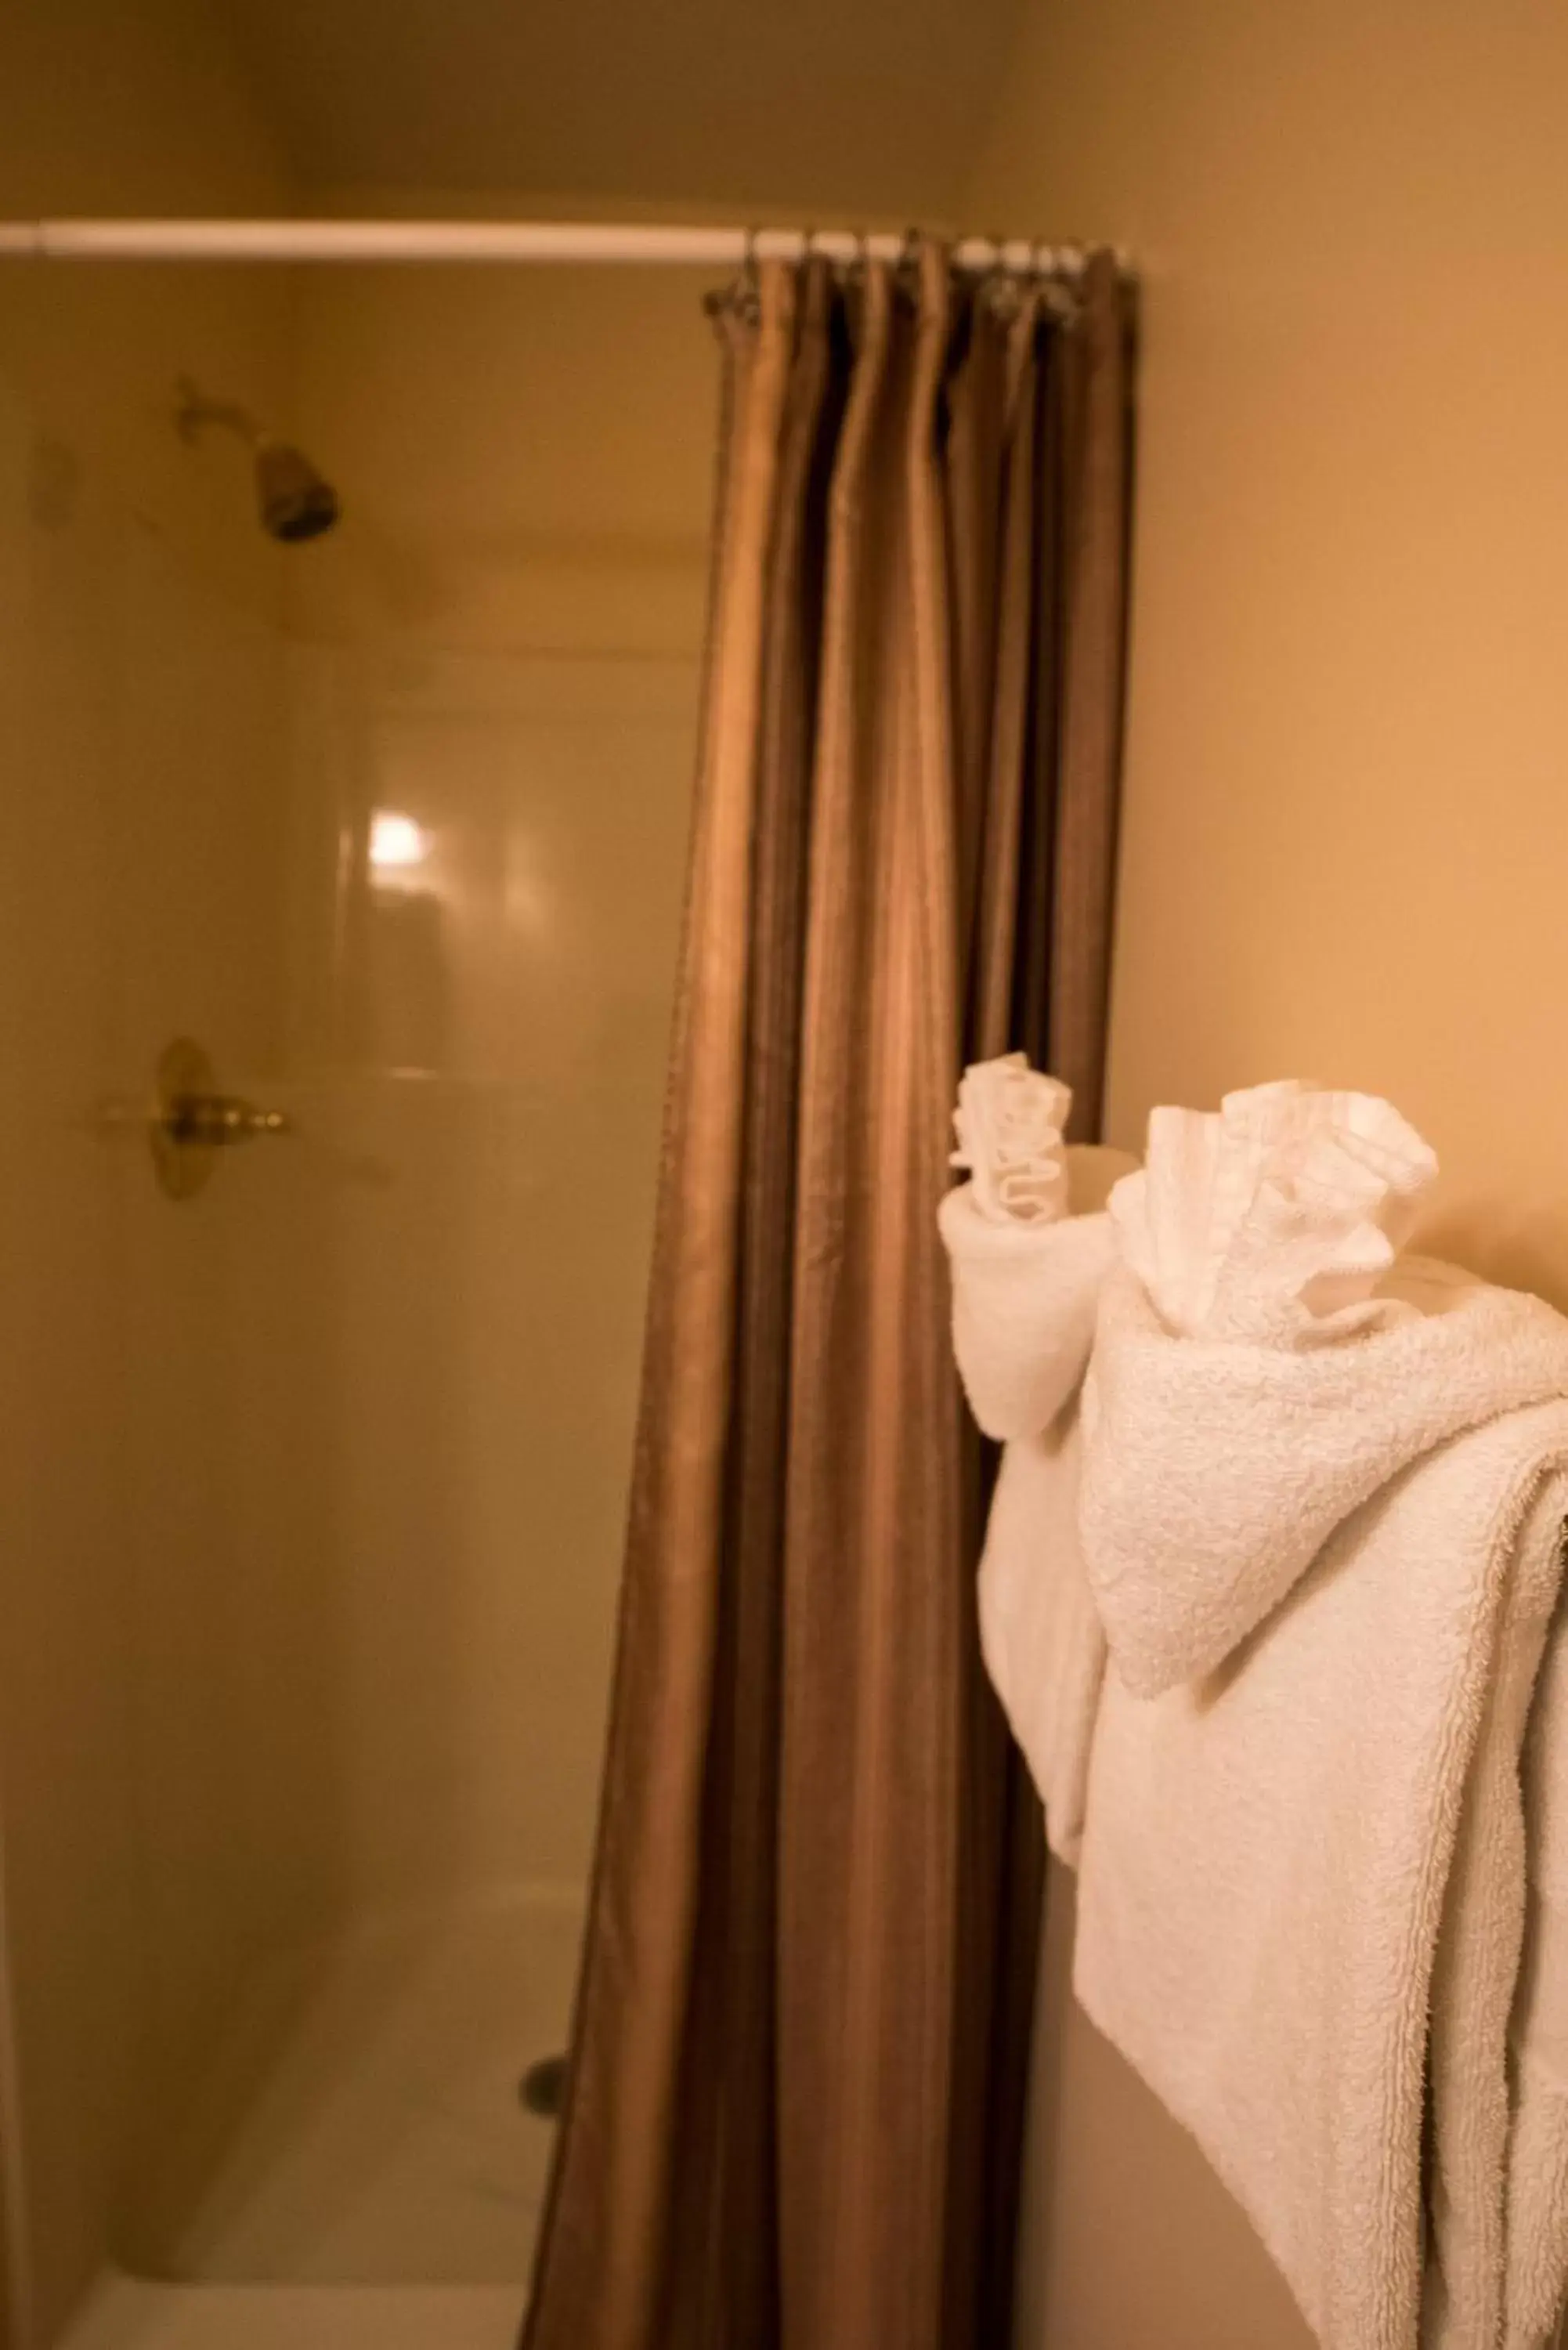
[126, 2313]
[386, 2144]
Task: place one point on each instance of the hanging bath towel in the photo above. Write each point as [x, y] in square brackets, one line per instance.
[1028, 1260]
[1321, 1514]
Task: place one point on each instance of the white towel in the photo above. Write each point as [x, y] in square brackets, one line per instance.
[1028, 1259]
[1327, 1561]
[1272, 1218]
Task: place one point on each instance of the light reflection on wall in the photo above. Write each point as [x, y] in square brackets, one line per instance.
[399, 847]
[407, 970]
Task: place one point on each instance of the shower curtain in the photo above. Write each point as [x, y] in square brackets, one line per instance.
[795, 2105]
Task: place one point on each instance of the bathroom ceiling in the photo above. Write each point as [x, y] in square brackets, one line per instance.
[855, 107]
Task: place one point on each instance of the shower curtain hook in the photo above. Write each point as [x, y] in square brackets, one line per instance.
[1042, 277]
[742, 297]
[1004, 289]
[749, 284]
[906, 268]
[1067, 282]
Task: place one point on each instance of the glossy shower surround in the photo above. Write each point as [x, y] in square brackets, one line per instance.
[803, 2023]
[165, 861]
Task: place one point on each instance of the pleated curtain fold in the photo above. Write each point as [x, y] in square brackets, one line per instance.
[801, 2044]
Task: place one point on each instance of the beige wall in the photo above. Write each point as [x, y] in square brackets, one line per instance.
[1347, 782]
[1345, 811]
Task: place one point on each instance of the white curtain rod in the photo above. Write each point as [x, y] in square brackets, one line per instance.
[486, 241]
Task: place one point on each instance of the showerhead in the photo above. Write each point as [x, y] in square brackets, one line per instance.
[296, 502]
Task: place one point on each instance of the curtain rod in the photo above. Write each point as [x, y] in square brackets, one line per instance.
[489, 241]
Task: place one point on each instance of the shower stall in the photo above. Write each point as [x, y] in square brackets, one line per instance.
[352, 828]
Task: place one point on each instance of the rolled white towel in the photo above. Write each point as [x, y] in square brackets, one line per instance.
[1007, 1125]
[1027, 1260]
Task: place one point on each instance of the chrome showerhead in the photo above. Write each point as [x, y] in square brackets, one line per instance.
[295, 500]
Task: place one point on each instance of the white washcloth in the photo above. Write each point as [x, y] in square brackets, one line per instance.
[1329, 1563]
[1025, 1286]
[1009, 1126]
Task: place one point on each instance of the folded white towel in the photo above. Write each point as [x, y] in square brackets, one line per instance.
[1028, 1258]
[1327, 1565]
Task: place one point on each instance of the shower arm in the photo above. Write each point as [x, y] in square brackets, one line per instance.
[195, 414]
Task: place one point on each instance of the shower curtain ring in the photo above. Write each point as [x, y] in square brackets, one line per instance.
[906, 266]
[1004, 290]
[1062, 281]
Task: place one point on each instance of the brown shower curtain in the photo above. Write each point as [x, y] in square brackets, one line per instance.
[796, 2102]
